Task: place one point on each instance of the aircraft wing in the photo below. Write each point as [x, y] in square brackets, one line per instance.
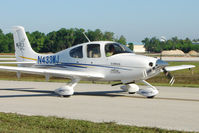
[54, 72]
[175, 68]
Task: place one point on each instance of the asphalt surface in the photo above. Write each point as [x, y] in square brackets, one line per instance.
[180, 59]
[173, 108]
[7, 59]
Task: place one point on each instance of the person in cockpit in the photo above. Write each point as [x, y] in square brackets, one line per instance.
[111, 51]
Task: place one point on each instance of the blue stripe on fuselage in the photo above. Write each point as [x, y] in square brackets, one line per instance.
[79, 65]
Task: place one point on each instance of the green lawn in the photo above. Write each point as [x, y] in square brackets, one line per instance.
[184, 77]
[15, 123]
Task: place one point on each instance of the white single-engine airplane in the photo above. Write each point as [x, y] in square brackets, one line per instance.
[97, 60]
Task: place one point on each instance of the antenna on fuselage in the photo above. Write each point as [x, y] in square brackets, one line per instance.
[86, 37]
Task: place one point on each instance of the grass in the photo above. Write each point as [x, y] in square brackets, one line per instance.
[182, 77]
[7, 57]
[15, 123]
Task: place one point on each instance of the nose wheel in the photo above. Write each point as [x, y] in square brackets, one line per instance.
[148, 92]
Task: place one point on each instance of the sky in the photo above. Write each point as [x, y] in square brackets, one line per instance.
[135, 19]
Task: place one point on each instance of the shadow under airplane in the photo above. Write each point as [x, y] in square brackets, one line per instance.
[88, 93]
[40, 92]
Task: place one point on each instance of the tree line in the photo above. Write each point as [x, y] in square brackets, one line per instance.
[156, 45]
[64, 38]
[58, 40]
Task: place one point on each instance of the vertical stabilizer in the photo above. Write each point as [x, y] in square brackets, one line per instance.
[23, 50]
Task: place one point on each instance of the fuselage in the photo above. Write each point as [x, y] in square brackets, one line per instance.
[122, 65]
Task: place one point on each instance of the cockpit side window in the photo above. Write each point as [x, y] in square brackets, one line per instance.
[76, 52]
[93, 51]
[116, 48]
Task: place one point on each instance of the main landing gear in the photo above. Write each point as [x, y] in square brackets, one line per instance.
[133, 88]
[67, 90]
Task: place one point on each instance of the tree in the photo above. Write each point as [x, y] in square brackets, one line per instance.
[36, 40]
[79, 36]
[96, 35]
[155, 45]
[49, 42]
[65, 38]
[3, 43]
[10, 41]
[109, 36]
[146, 44]
[122, 40]
[131, 46]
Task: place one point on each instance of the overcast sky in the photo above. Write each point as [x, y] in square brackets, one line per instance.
[135, 19]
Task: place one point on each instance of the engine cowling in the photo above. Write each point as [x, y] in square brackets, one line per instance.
[130, 88]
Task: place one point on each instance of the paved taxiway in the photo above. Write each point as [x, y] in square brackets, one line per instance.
[7, 58]
[180, 59]
[174, 108]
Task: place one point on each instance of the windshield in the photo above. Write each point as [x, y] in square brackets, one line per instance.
[116, 48]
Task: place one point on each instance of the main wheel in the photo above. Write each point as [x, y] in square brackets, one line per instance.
[65, 91]
[131, 92]
[151, 97]
[66, 96]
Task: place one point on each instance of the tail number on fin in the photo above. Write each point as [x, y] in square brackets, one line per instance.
[54, 59]
[20, 45]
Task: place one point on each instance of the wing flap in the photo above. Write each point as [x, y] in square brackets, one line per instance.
[54, 72]
[175, 68]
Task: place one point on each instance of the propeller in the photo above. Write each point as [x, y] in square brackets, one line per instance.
[169, 76]
[163, 64]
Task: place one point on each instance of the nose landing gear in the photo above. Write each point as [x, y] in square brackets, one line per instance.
[148, 92]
